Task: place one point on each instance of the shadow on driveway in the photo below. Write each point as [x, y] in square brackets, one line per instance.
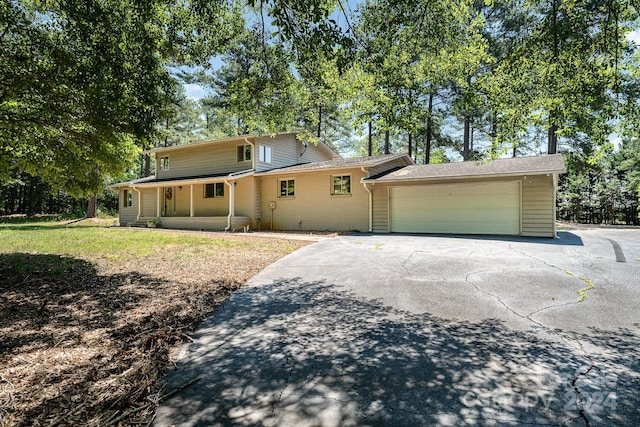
[565, 238]
[300, 353]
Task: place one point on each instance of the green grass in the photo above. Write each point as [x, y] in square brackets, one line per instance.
[86, 239]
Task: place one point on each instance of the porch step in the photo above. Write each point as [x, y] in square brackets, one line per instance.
[139, 223]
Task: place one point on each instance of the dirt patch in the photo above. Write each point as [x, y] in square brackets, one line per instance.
[85, 340]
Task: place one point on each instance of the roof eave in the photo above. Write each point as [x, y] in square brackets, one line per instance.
[467, 176]
[366, 165]
[193, 181]
[199, 144]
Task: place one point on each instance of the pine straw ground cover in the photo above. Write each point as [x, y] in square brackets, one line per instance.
[89, 315]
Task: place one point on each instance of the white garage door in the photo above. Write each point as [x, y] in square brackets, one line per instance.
[479, 208]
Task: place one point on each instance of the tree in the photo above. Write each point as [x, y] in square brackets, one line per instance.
[410, 53]
[564, 74]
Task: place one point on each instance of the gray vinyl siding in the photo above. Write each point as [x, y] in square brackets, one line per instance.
[128, 214]
[148, 202]
[380, 208]
[258, 202]
[286, 150]
[198, 161]
[537, 206]
[312, 153]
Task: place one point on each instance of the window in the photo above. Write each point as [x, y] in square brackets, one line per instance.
[164, 163]
[264, 153]
[127, 199]
[244, 153]
[214, 190]
[341, 185]
[287, 188]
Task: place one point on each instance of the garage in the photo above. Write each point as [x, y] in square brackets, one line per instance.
[463, 208]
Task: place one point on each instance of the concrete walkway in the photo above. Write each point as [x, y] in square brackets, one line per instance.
[424, 330]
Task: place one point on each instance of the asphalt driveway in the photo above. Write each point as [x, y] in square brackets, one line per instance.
[424, 330]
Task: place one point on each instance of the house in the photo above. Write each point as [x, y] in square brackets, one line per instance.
[280, 183]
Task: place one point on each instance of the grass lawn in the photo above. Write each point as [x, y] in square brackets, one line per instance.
[90, 315]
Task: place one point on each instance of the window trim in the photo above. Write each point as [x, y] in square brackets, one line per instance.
[246, 153]
[265, 154]
[333, 185]
[215, 193]
[164, 166]
[286, 196]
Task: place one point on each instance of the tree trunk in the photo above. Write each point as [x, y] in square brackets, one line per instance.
[427, 148]
[410, 144]
[30, 196]
[319, 120]
[370, 151]
[386, 142]
[92, 207]
[552, 139]
[147, 165]
[467, 139]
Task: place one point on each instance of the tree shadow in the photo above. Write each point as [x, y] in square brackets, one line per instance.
[565, 238]
[310, 353]
[84, 345]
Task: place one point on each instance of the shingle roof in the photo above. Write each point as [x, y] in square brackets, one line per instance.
[536, 165]
[338, 164]
[151, 181]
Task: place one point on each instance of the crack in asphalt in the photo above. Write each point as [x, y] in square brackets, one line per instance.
[567, 338]
[563, 336]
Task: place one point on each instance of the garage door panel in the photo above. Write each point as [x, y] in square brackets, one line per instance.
[480, 208]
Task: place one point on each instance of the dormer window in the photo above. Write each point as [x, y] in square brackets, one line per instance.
[244, 153]
[264, 153]
[164, 163]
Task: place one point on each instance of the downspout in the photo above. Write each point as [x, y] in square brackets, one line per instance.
[253, 153]
[139, 202]
[231, 203]
[555, 189]
[364, 184]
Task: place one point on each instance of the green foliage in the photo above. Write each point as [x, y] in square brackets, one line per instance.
[78, 86]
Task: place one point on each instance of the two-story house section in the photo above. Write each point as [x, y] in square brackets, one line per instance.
[281, 183]
[277, 183]
[212, 184]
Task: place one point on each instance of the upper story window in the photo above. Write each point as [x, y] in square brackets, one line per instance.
[341, 185]
[244, 153]
[214, 190]
[264, 153]
[287, 188]
[164, 163]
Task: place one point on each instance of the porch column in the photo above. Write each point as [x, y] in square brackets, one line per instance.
[231, 203]
[139, 203]
[191, 214]
[232, 197]
[158, 205]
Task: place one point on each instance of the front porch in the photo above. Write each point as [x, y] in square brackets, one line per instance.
[203, 203]
[211, 223]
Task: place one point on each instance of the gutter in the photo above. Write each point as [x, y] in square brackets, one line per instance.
[235, 175]
[364, 184]
[454, 177]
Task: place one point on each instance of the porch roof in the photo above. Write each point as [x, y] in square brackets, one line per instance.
[151, 181]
